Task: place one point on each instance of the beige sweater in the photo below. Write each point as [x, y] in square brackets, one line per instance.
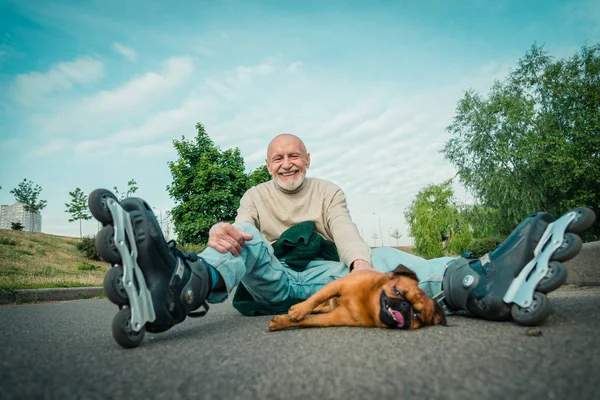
[273, 210]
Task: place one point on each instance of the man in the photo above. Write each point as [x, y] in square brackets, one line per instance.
[243, 254]
[268, 210]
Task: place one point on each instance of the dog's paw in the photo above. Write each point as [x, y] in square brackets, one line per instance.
[279, 322]
[298, 311]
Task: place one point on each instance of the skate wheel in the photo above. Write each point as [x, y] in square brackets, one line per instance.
[113, 286]
[537, 312]
[123, 332]
[105, 244]
[97, 205]
[568, 249]
[555, 277]
[583, 220]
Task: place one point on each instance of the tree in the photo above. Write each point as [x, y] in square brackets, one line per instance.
[78, 208]
[434, 218]
[396, 235]
[533, 143]
[131, 189]
[259, 175]
[207, 186]
[26, 194]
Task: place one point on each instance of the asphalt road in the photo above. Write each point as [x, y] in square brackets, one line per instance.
[65, 351]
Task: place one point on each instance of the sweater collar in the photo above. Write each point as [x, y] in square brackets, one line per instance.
[297, 190]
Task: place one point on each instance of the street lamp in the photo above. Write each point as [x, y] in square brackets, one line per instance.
[380, 230]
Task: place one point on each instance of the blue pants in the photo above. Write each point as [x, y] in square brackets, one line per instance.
[270, 281]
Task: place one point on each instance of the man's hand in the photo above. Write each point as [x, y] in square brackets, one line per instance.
[225, 237]
[361, 265]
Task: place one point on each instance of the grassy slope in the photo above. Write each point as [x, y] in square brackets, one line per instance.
[38, 260]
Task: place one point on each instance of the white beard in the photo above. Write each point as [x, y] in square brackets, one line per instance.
[290, 185]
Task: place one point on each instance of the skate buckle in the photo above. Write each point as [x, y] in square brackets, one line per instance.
[142, 310]
[523, 286]
[468, 281]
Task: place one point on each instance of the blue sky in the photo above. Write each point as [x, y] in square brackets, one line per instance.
[94, 92]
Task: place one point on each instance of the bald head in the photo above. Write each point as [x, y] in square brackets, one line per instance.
[285, 139]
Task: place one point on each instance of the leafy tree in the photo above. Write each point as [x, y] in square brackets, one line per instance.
[434, 218]
[259, 175]
[26, 194]
[532, 144]
[78, 208]
[484, 222]
[131, 189]
[396, 235]
[207, 186]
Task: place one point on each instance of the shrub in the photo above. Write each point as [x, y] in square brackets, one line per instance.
[192, 248]
[85, 266]
[87, 246]
[480, 247]
[8, 241]
[16, 226]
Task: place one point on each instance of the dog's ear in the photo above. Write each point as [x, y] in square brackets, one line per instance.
[439, 316]
[404, 271]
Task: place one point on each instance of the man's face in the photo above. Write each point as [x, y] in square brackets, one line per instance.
[287, 161]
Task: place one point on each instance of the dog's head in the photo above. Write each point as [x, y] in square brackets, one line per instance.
[403, 305]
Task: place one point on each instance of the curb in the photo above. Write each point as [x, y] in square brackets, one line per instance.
[584, 268]
[52, 294]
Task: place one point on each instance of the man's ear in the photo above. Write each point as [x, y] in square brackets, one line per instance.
[268, 164]
[307, 160]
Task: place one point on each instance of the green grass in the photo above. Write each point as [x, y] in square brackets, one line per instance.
[8, 241]
[37, 260]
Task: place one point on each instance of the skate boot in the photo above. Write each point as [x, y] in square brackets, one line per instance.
[154, 285]
[511, 281]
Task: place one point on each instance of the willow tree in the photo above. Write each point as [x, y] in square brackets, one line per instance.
[436, 222]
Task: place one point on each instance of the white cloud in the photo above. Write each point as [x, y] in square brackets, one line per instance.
[121, 104]
[28, 89]
[128, 53]
[54, 146]
[169, 123]
[229, 84]
[139, 90]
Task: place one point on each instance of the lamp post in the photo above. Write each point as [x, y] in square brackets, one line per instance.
[380, 230]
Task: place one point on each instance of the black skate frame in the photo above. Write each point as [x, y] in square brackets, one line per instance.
[140, 300]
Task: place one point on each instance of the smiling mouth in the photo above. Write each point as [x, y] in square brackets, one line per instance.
[288, 173]
[390, 316]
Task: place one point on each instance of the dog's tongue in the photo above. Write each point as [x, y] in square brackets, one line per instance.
[399, 318]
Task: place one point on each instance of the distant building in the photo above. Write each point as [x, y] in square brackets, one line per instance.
[17, 213]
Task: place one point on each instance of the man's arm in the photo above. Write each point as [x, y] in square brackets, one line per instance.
[354, 251]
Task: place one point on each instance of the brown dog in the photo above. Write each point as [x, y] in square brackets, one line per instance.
[369, 299]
